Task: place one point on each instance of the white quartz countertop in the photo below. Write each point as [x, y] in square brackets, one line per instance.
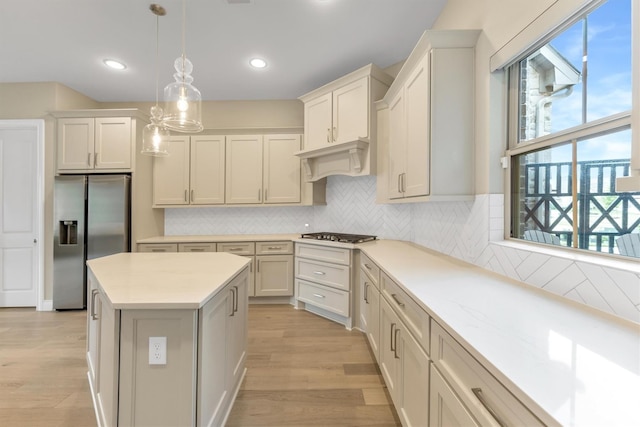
[164, 280]
[222, 238]
[580, 366]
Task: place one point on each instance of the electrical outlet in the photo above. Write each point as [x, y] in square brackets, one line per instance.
[157, 350]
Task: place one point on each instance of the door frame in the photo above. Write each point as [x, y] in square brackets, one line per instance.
[38, 125]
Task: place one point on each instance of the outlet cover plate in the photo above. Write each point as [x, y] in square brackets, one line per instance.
[157, 350]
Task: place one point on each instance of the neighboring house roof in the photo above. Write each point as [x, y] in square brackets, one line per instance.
[555, 71]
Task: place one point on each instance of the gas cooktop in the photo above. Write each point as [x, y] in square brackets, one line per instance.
[339, 237]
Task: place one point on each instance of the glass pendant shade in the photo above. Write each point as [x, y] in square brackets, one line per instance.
[183, 102]
[155, 138]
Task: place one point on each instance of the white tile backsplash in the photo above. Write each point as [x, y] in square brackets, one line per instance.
[465, 230]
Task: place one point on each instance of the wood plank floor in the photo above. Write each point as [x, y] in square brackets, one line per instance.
[302, 371]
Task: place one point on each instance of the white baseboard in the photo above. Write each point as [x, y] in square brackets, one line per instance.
[45, 305]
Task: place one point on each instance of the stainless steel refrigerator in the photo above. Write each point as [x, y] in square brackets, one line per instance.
[92, 219]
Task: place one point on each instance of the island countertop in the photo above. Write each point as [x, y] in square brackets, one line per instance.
[164, 280]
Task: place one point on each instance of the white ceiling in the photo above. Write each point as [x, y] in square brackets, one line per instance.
[307, 43]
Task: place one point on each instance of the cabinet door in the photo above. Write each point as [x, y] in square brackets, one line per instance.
[445, 408]
[414, 385]
[351, 111]
[416, 112]
[212, 372]
[282, 174]
[237, 330]
[75, 143]
[397, 146]
[207, 170]
[389, 357]
[370, 312]
[171, 174]
[93, 330]
[108, 362]
[317, 122]
[244, 169]
[113, 139]
[274, 275]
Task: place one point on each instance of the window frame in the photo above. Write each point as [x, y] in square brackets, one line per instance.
[629, 119]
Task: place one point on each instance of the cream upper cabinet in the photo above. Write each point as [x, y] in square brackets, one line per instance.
[426, 152]
[282, 174]
[339, 116]
[192, 173]
[263, 169]
[244, 169]
[171, 174]
[88, 144]
[340, 124]
[206, 177]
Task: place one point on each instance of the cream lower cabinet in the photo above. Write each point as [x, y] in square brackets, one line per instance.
[405, 368]
[274, 269]
[206, 353]
[323, 277]
[94, 144]
[369, 297]
[445, 407]
[247, 250]
[192, 173]
[262, 169]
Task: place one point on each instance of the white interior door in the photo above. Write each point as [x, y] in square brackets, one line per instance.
[20, 212]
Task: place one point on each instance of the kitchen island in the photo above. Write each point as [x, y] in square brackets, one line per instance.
[166, 337]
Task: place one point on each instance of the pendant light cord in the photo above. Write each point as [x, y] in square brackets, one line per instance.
[184, 30]
[157, 55]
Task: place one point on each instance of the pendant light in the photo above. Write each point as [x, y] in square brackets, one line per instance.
[155, 137]
[183, 102]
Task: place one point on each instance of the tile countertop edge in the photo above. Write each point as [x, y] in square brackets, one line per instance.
[510, 339]
[156, 289]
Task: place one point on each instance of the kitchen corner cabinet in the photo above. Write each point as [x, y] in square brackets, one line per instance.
[192, 173]
[426, 149]
[262, 169]
[94, 144]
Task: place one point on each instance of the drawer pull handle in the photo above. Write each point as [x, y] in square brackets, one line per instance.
[274, 248]
[158, 250]
[367, 266]
[196, 249]
[319, 273]
[366, 292]
[318, 296]
[395, 298]
[233, 301]
[478, 392]
[235, 249]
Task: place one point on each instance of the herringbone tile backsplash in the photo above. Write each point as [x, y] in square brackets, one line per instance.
[468, 231]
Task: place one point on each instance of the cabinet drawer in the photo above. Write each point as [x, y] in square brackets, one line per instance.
[238, 248]
[324, 253]
[157, 247]
[196, 247]
[481, 391]
[263, 248]
[372, 270]
[329, 299]
[336, 276]
[416, 319]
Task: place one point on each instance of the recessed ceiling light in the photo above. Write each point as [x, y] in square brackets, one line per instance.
[258, 63]
[116, 65]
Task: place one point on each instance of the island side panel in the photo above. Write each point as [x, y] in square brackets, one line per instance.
[158, 395]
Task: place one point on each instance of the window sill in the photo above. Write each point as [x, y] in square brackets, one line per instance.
[611, 261]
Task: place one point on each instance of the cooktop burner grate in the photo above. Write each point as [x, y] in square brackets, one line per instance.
[339, 237]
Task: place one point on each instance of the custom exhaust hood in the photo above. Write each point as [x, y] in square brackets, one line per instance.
[347, 158]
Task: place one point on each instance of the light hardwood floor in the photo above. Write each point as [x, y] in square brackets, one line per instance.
[302, 371]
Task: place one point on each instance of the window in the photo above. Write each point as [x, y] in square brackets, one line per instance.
[570, 137]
